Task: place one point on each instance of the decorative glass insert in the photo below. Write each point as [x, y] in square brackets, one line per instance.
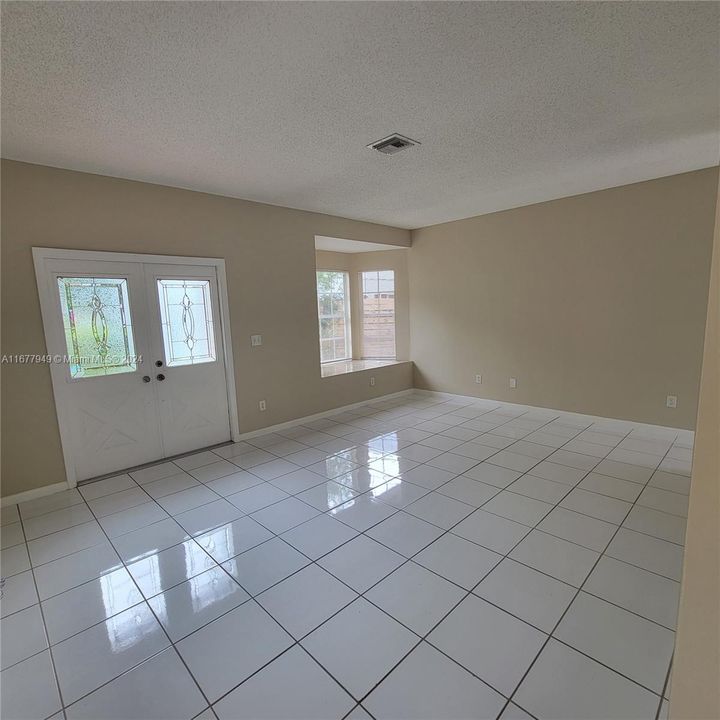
[334, 316]
[98, 330]
[378, 314]
[187, 321]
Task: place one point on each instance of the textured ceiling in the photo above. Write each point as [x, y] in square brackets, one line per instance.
[513, 103]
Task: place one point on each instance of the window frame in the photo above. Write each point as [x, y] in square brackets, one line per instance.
[347, 316]
[361, 313]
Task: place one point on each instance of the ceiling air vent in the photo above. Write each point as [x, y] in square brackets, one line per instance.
[393, 144]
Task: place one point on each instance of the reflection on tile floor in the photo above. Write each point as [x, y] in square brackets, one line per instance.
[417, 557]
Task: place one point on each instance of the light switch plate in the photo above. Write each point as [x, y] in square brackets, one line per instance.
[256, 340]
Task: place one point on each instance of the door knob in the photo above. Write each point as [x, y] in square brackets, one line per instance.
[160, 377]
[146, 378]
[158, 363]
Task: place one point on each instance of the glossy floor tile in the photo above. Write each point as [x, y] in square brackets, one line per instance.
[528, 594]
[636, 647]
[489, 642]
[99, 654]
[23, 635]
[230, 649]
[566, 685]
[135, 696]
[416, 597]
[458, 560]
[265, 565]
[416, 557]
[305, 600]
[293, 686]
[29, 689]
[86, 605]
[378, 643]
[427, 684]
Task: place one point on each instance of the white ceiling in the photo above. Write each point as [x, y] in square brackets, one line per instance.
[513, 103]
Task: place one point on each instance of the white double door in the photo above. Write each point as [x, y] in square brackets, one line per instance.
[144, 377]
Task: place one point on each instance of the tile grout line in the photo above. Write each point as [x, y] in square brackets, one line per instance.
[396, 509]
[160, 625]
[666, 683]
[172, 643]
[311, 561]
[467, 593]
[557, 624]
[421, 518]
[249, 470]
[453, 607]
[298, 642]
[261, 482]
[47, 636]
[432, 490]
[461, 600]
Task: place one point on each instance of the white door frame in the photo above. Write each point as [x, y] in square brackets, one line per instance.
[46, 291]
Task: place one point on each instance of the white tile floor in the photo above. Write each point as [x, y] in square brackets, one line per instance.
[418, 557]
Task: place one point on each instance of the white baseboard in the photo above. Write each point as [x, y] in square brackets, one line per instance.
[59, 487]
[578, 415]
[320, 415]
[33, 494]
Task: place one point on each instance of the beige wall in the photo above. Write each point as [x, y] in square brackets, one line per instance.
[596, 303]
[270, 257]
[355, 263]
[695, 691]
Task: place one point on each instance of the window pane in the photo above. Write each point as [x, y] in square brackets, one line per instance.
[378, 319]
[326, 328]
[333, 316]
[98, 331]
[187, 321]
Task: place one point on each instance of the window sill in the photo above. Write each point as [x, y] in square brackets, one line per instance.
[342, 367]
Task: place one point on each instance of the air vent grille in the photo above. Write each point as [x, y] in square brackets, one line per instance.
[393, 144]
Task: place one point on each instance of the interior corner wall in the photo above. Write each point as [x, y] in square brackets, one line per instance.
[596, 303]
[695, 690]
[270, 263]
[354, 264]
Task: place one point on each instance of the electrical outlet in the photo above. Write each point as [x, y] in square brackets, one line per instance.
[255, 340]
[671, 401]
[372, 381]
[478, 379]
[513, 383]
[263, 406]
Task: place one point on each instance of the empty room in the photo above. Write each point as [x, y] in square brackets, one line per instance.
[360, 360]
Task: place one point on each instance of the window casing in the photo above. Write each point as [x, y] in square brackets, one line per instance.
[377, 293]
[333, 294]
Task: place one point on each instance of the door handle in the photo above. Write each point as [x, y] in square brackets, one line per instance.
[160, 377]
[158, 363]
[146, 378]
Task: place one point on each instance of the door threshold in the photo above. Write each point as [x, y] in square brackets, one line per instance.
[115, 473]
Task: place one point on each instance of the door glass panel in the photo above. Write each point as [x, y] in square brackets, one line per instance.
[98, 330]
[187, 321]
